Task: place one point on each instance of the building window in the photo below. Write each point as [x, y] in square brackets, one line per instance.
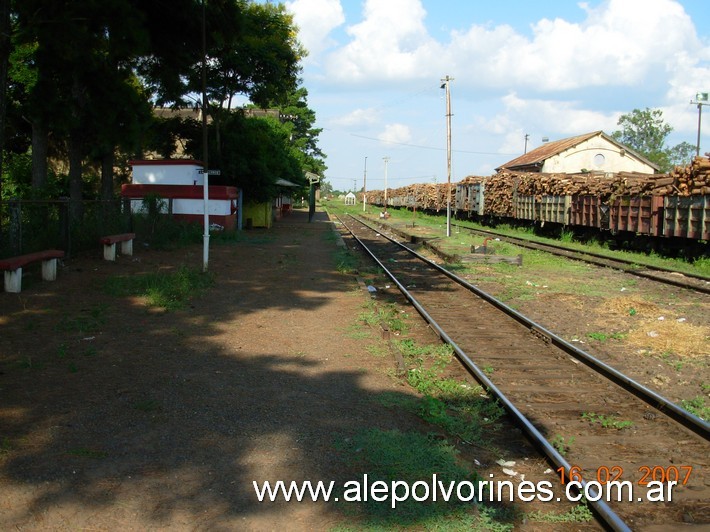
[599, 160]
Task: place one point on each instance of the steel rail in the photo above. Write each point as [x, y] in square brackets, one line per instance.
[630, 269]
[599, 506]
[657, 401]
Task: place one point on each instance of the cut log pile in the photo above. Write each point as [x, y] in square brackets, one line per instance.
[429, 196]
[501, 188]
[692, 179]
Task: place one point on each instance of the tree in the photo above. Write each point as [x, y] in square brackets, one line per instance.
[646, 132]
[88, 99]
[681, 154]
[303, 136]
[257, 156]
[5, 49]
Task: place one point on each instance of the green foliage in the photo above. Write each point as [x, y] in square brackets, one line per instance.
[85, 321]
[345, 261]
[5, 446]
[562, 444]
[566, 236]
[406, 456]
[455, 406]
[646, 132]
[95, 92]
[388, 315]
[163, 231]
[608, 422]
[269, 158]
[579, 514]
[697, 407]
[681, 154]
[603, 337]
[171, 291]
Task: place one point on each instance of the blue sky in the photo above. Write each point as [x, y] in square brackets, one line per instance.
[554, 69]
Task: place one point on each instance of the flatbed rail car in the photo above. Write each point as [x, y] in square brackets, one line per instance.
[649, 221]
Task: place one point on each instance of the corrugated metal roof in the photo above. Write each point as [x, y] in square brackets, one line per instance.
[533, 160]
[539, 155]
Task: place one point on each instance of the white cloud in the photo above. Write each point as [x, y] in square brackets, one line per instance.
[551, 118]
[557, 79]
[316, 19]
[358, 117]
[391, 43]
[398, 133]
[621, 42]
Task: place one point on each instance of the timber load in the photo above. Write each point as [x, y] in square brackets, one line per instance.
[503, 188]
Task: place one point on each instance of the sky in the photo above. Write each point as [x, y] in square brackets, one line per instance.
[552, 69]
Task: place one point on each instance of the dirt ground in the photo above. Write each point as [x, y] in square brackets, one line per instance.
[116, 415]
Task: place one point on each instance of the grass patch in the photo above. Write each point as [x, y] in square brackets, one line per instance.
[392, 455]
[603, 337]
[356, 332]
[5, 446]
[437, 226]
[562, 444]
[377, 350]
[171, 291]
[345, 261]
[454, 406]
[579, 514]
[608, 422]
[697, 407]
[88, 321]
[388, 315]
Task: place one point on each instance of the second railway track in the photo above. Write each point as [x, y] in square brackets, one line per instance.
[558, 393]
[661, 275]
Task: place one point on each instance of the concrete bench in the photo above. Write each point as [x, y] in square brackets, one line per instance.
[109, 242]
[13, 267]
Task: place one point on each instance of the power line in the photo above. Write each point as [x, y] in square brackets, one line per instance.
[430, 147]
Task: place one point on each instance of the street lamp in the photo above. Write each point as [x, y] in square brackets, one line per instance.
[701, 99]
[445, 85]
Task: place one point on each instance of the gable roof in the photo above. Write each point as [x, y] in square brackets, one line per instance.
[533, 160]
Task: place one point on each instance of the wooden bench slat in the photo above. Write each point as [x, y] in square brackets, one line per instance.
[13, 263]
[112, 239]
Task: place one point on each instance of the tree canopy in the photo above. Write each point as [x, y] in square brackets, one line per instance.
[83, 78]
[646, 132]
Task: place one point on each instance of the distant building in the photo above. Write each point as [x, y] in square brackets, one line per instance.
[179, 183]
[350, 199]
[592, 152]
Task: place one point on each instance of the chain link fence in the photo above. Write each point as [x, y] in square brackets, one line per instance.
[35, 225]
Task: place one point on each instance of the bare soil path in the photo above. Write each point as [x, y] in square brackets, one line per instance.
[113, 415]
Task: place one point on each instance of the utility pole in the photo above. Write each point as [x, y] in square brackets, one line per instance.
[526, 143]
[386, 160]
[701, 99]
[364, 188]
[205, 152]
[445, 85]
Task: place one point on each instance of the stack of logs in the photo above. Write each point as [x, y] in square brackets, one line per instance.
[692, 179]
[501, 188]
[427, 196]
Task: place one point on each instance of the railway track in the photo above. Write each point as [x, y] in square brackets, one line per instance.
[552, 390]
[661, 275]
